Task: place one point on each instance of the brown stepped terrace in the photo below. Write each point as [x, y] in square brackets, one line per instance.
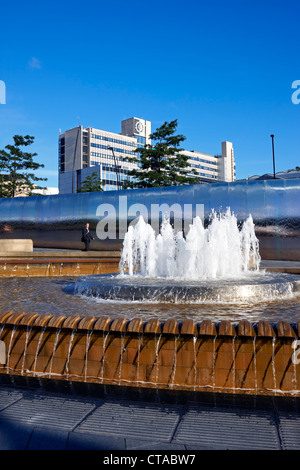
[50, 264]
[258, 358]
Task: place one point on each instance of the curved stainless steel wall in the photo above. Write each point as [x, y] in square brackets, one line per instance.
[56, 221]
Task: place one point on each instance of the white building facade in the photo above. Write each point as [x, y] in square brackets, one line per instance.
[84, 151]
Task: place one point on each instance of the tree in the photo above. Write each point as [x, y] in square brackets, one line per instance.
[162, 164]
[91, 183]
[14, 166]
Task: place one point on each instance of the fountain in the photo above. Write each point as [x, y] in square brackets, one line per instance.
[216, 264]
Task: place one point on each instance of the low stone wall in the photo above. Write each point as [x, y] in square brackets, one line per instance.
[221, 357]
[16, 245]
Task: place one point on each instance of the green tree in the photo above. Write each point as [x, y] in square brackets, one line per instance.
[16, 168]
[162, 163]
[91, 183]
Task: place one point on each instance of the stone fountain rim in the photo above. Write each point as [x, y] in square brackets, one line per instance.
[206, 327]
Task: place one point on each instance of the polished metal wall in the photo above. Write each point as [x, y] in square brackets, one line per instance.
[56, 221]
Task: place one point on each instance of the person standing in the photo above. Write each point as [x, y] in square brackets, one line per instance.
[86, 237]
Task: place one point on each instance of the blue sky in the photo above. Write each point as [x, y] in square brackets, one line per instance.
[224, 69]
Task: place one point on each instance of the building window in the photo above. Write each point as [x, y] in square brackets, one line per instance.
[140, 139]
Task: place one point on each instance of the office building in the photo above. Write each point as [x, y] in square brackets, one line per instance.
[84, 151]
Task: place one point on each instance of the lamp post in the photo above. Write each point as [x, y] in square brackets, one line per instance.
[272, 137]
[117, 169]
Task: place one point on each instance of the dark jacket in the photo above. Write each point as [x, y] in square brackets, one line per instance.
[86, 235]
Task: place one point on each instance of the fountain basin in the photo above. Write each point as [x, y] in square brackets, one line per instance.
[253, 287]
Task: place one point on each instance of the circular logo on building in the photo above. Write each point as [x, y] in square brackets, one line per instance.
[139, 127]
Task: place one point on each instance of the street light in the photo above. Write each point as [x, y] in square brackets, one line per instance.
[272, 137]
[116, 167]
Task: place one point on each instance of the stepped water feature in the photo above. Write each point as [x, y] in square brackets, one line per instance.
[215, 264]
[243, 358]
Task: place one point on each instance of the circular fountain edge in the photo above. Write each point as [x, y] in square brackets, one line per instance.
[256, 287]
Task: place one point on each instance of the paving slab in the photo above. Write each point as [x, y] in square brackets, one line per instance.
[48, 439]
[50, 415]
[131, 419]
[224, 428]
[141, 444]
[37, 409]
[80, 441]
[14, 437]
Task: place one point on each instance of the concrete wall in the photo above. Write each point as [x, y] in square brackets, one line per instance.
[16, 245]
